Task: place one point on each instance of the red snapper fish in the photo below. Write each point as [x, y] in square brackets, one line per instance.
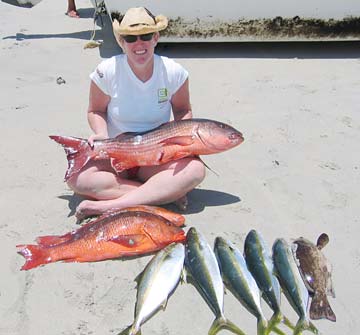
[175, 218]
[171, 141]
[120, 234]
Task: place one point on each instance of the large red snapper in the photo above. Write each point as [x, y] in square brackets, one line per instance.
[170, 141]
[121, 234]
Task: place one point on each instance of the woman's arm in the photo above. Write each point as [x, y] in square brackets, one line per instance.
[98, 102]
[180, 102]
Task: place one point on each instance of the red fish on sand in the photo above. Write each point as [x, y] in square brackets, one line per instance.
[121, 234]
[170, 141]
[173, 218]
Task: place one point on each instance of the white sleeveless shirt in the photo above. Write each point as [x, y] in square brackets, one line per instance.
[135, 105]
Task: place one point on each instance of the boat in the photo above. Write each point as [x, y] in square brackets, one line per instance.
[246, 21]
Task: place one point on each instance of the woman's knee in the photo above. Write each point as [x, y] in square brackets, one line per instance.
[196, 171]
[81, 184]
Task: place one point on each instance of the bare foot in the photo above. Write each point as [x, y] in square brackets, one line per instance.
[182, 203]
[73, 14]
[87, 208]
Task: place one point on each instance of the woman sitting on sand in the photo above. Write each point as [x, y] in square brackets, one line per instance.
[136, 91]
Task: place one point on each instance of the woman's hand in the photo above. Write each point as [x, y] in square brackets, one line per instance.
[95, 137]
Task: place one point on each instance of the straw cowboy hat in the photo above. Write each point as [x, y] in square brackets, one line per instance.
[138, 21]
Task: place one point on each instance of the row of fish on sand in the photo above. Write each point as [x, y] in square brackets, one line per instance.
[147, 229]
[295, 270]
[248, 276]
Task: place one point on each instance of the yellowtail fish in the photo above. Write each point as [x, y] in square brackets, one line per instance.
[238, 279]
[202, 266]
[155, 284]
[292, 284]
[260, 264]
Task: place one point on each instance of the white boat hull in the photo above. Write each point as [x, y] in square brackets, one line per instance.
[251, 20]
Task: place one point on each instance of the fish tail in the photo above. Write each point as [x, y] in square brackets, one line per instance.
[320, 308]
[77, 153]
[262, 327]
[287, 322]
[35, 255]
[299, 327]
[304, 324]
[278, 317]
[275, 320]
[222, 323]
[131, 330]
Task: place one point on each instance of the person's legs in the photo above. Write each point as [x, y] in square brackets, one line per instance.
[71, 11]
[161, 184]
[97, 180]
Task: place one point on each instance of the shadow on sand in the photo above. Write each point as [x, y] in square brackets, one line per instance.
[199, 199]
[73, 201]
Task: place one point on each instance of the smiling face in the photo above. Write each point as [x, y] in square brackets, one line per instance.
[140, 53]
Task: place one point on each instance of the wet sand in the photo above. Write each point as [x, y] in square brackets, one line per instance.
[296, 174]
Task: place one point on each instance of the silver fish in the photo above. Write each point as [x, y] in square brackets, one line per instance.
[202, 266]
[156, 283]
[292, 284]
[238, 279]
[316, 273]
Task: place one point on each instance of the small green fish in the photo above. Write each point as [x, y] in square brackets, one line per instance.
[260, 264]
[238, 279]
[292, 284]
[156, 283]
[202, 266]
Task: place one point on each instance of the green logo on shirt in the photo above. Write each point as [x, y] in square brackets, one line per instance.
[162, 95]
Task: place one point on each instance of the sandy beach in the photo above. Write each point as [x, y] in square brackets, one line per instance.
[296, 174]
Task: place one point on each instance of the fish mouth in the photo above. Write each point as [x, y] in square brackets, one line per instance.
[180, 237]
[236, 136]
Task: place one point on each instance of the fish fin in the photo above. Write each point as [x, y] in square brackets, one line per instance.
[128, 240]
[322, 241]
[179, 155]
[48, 241]
[77, 152]
[178, 140]
[320, 308]
[35, 255]
[208, 167]
[164, 304]
[183, 279]
[138, 278]
[118, 165]
[222, 323]
[330, 289]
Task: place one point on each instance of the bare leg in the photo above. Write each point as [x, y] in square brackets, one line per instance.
[161, 184]
[71, 11]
